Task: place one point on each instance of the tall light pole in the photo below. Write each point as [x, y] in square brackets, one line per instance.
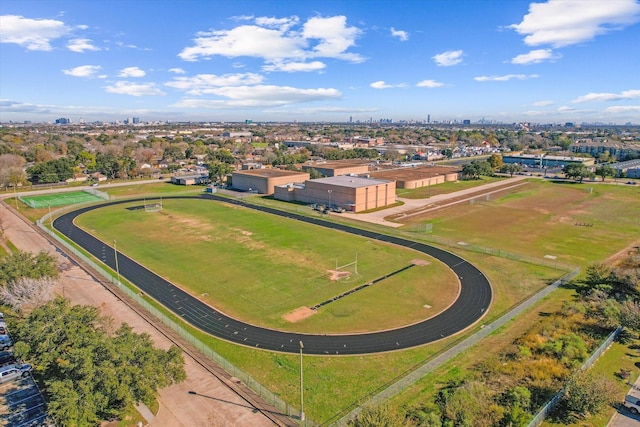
[301, 386]
[115, 251]
[329, 191]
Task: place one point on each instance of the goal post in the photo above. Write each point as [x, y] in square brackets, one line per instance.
[153, 206]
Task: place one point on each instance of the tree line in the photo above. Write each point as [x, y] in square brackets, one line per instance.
[88, 368]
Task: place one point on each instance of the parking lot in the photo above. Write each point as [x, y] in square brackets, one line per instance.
[22, 404]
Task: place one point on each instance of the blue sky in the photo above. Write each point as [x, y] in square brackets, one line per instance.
[502, 60]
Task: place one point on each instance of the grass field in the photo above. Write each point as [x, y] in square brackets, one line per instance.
[60, 199]
[333, 384]
[575, 223]
[261, 267]
[159, 188]
[444, 188]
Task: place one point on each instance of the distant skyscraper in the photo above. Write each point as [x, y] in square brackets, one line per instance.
[428, 118]
[62, 121]
[135, 120]
[350, 119]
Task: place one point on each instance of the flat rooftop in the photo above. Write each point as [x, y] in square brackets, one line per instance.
[411, 173]
[351, 181]
[270, 173]
[338, 164]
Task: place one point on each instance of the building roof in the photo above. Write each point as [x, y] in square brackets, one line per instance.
[410, 173]
[270, 173]
[351, 181]
[337, 164]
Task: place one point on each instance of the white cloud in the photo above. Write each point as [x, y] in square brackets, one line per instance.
[282, 24]
[600, 97]
[623, 109]
[177, 71]
[81, 45]
[291, 67]
[448, 58]
[33, 34]
[565, 109]
[543, 103]
[565, 22]
[274, 40]
[134, 89]
[132, 72]
[429, 83]
[505, 78]
[10, 106]
[402, 35]
[83, 71]
[205, 83]
[260, 96]
[535, 57]
[380, 84]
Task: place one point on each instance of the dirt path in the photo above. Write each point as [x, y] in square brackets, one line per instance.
[201, 400]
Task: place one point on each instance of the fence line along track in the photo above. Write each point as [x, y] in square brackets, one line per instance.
[242, 390]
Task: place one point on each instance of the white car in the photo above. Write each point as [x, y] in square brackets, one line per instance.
[12, 372]
[632, 401]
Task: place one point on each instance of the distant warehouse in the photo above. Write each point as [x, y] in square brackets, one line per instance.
[352, 193]
[263, 181]
[545, 161]
[190, 179]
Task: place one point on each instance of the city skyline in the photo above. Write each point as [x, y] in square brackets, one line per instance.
[502, 61]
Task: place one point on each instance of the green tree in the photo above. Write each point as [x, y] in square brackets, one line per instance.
[52, 170]
[27, 265]
[475, 169]
[586, 394]
[510, 168]
[495, 160]
[577, 171]
[605, 171]
[219, 170]
[90, 374]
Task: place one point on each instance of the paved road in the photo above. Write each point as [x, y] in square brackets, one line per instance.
[472, 303]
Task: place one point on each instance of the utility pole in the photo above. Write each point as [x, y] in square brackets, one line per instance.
[115, 251]
[301, 386]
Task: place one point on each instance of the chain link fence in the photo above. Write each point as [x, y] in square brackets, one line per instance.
[551, 404]
[230, 368]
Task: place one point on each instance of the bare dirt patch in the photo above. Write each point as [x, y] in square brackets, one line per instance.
[420, 262]
[299, 314]
[337, 274]
[620, 256]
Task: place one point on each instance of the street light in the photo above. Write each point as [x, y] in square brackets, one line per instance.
[115, 251]
[301, 384]
[329, 191]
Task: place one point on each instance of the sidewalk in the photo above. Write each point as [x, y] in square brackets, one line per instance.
[623, 417]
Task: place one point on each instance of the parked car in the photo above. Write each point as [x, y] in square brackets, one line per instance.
[7, 358]
[12, 372]
[632, 403]
[5, 342]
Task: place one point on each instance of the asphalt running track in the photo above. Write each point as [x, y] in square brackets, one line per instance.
[471, 305]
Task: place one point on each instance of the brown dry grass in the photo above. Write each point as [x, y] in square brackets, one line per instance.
[299, 314]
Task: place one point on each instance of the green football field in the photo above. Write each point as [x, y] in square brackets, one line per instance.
[59, 199]
[264, 268]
